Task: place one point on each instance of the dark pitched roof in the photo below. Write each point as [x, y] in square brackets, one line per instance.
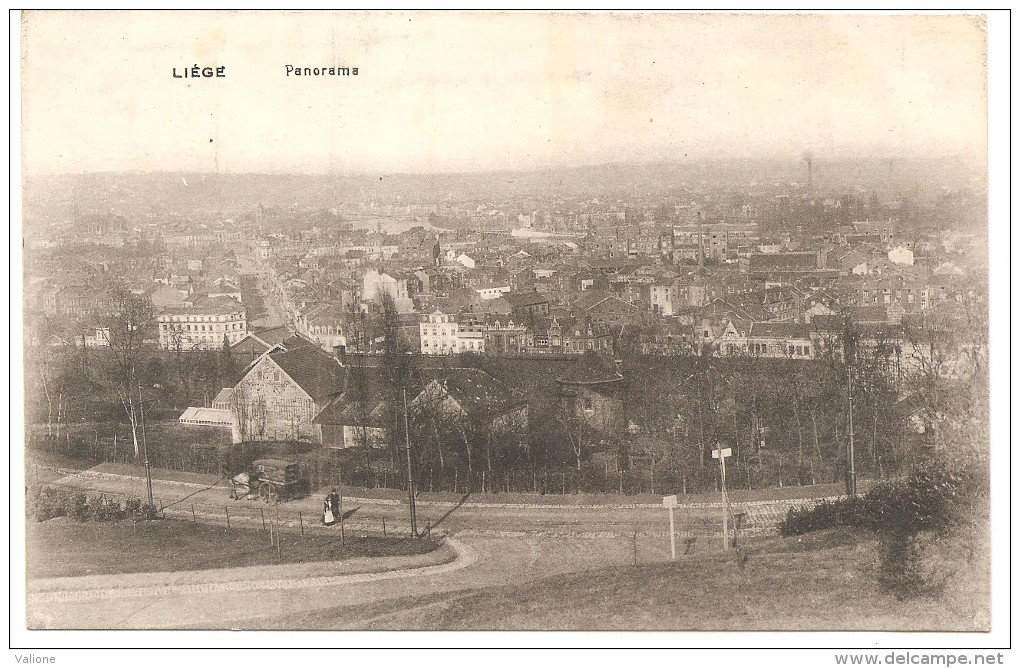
[273, 335]
[476, 391]
[524, 299]
[251, 344]
[314, 371]
[364, 401]
[780, 330]
[589, 370]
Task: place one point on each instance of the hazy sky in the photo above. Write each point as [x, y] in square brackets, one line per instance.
[450, 92]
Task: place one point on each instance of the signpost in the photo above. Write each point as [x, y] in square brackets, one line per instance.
[671, 503]
[721, 454]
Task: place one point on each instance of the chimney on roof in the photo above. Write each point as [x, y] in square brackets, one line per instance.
[340, 354]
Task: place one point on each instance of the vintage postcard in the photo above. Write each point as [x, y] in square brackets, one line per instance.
[498, 321]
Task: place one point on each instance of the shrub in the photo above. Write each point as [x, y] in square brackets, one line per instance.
[899, 569]
[45, 504]
[145, 511]
[132, 507]
[77, 506]
[847, 512]
[929, 500]
[925, 501]
[105, 510]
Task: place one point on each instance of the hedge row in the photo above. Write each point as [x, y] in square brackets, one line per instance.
[924, 501]
[47, 503]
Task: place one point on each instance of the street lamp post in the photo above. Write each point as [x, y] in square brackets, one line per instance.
[410, 469]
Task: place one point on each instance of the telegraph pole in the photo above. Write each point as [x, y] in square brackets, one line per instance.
[410, 469]
[145, 449]
[850, 403]
[721, 454]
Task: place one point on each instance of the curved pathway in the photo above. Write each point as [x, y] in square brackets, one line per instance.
[496, 546]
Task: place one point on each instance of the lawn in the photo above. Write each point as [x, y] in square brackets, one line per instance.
[61, 547]
[821, 581]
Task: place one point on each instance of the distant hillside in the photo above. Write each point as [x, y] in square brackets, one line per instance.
[141, 193]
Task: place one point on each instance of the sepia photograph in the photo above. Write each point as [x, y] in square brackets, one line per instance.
[504, 321]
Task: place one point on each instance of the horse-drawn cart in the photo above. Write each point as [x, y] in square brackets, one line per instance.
[271, 480]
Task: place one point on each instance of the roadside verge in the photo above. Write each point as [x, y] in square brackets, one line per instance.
[451, 556]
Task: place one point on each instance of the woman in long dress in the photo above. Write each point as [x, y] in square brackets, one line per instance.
[328, 518]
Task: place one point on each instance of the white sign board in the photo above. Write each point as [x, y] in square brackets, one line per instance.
[726, 452]
[670, 501]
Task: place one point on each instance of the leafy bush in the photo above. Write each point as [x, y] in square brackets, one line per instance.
[78, 507]
[929, 500]
[45, 504]
[105, 510]
[899, 564]
[132, 507]
[925, 501]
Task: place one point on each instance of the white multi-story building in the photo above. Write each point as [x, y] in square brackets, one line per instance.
[202, 325]
[661, 297]
[438, 334]
[441, 334]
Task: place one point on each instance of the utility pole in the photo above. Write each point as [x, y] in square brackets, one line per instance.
[145, 449]
[721, 454]
[852, 486]
[410, 469]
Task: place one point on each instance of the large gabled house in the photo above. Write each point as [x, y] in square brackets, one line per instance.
[280, 395]
[258, 343]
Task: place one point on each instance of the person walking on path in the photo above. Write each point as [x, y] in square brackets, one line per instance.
[334, 504]
[328, 516]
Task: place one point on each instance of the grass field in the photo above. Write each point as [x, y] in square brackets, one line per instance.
[61, 547]
[822, 581]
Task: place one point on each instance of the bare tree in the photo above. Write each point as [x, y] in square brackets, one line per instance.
[129, 322]
[932, 356]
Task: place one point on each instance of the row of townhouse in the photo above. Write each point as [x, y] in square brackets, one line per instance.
[447, 334]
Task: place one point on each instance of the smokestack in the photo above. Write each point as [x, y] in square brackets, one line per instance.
[809, 159]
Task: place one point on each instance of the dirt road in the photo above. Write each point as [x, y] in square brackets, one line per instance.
[500, 546]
